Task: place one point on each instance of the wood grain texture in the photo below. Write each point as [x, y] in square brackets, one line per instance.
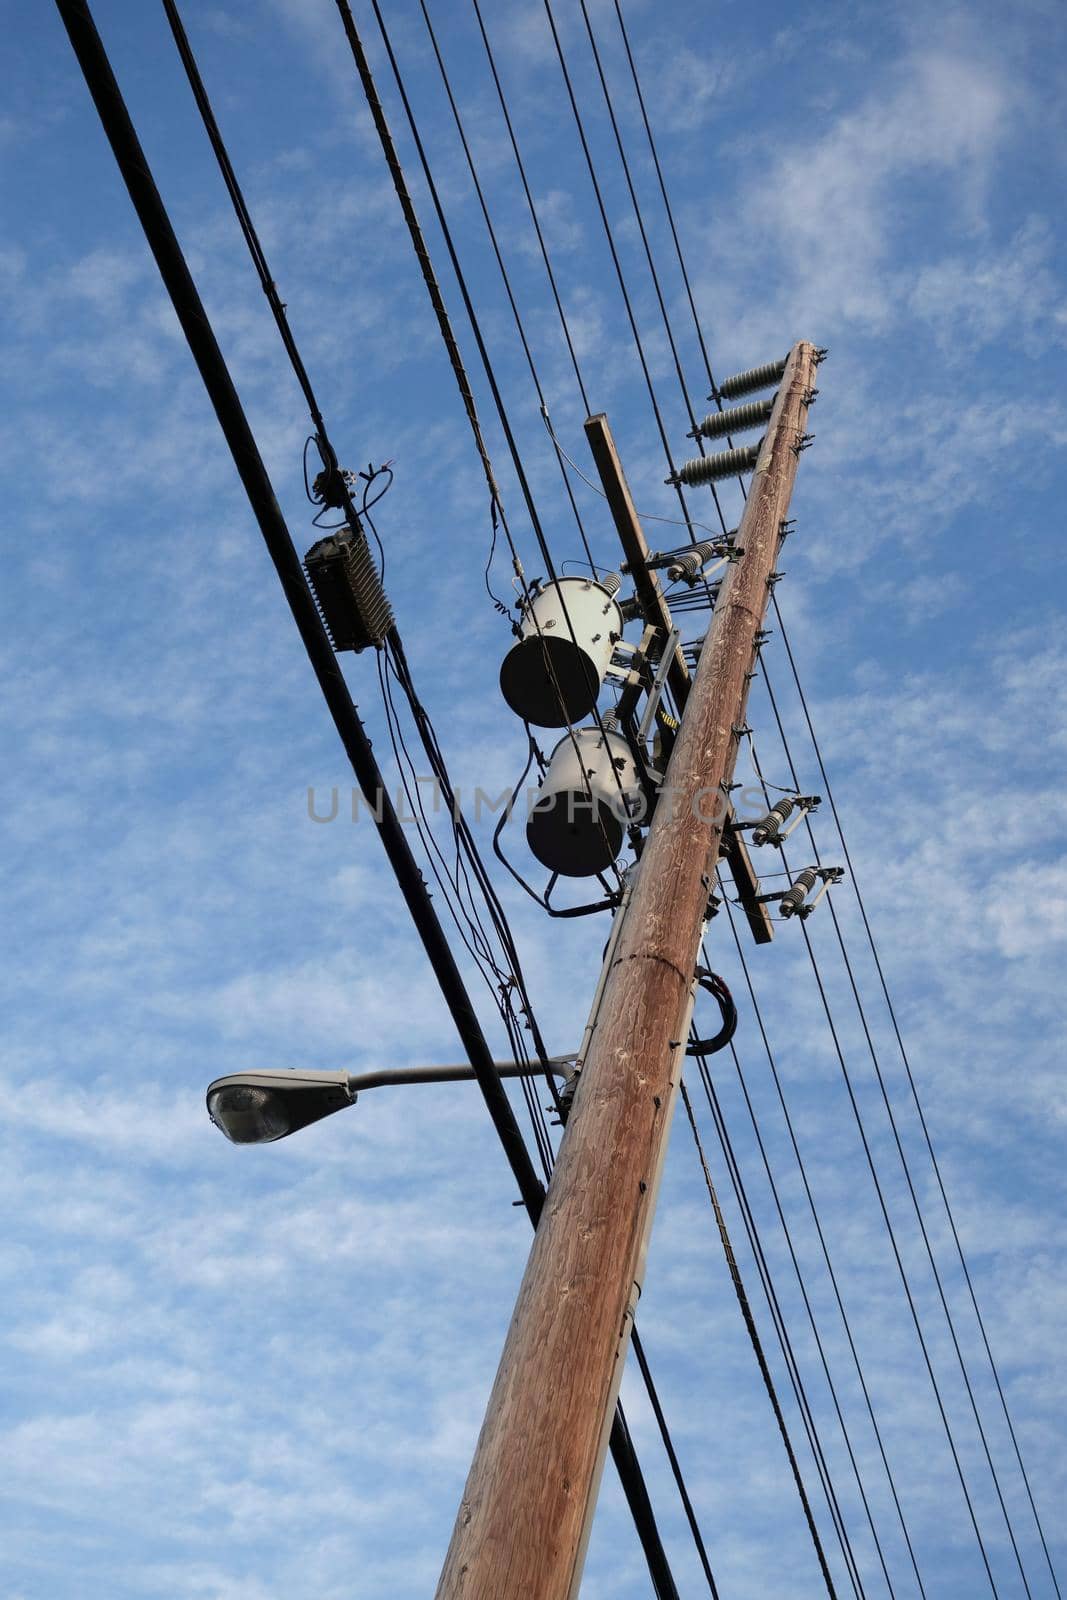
[522, 1525]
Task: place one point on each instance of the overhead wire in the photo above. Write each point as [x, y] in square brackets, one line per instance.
[824, 1247]
[464, 840]
[541, 540]
[781, 1329]
[196, 326]
[894, 1245]
[856, 889]
[757, 1345]
[547, 261]
[680, 374]
[906, 1168]
[363, 68]
[913, 1088]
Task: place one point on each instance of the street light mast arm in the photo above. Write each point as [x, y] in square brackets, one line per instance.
[559, 1066]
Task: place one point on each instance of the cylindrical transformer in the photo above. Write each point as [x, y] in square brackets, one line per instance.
[569, 627]
[590, 792]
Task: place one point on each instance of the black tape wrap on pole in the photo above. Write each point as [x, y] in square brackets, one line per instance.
[136, 173]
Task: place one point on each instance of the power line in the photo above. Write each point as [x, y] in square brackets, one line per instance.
[681, 379]
[199, 334]
[825, 1249]
[904, 1162]
[891, 1232]
[761, 1360]
[779, 1323]
[544, 250]
[913, 1087]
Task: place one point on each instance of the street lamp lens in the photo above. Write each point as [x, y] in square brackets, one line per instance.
[247, 1114]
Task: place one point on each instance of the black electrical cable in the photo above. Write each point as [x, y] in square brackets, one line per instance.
[479, 191]
[602, 209]
[363, 69]
[672, 1457]
[904, 1160]
[891, 1232]
[533, 209]
[913, 1087]
[753, 1334]
[863, 913]
[689, 406]
[339, 482]
[136, 173]
[793, 1255]
[781, 1328]
[639, 218]
[552, 280]
[199, 334]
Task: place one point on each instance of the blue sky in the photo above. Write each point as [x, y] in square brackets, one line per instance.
[255, 1374]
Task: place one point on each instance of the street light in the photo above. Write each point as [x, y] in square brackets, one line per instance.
[259, 1107]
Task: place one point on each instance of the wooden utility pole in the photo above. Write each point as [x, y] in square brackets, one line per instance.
[524, 1521]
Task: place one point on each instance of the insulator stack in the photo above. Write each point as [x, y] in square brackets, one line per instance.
[794, 898]
[768, 828]
[752, 381]
[723, 464]
[688, 565]
[738, 420]
[345, 582]
[611, 581]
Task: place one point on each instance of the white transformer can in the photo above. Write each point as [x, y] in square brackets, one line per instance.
[547, 677]
[590, 792]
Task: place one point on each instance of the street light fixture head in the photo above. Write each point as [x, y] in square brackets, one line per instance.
[259, 1107]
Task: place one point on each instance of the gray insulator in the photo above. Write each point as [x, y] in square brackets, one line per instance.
[752, 381]
[794, 898]
[689, 565]
[723, 464]
[611, 582]
[767, 831]
[738, 420]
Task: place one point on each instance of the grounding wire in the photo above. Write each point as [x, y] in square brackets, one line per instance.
[904, 1160]
[913, 1087]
